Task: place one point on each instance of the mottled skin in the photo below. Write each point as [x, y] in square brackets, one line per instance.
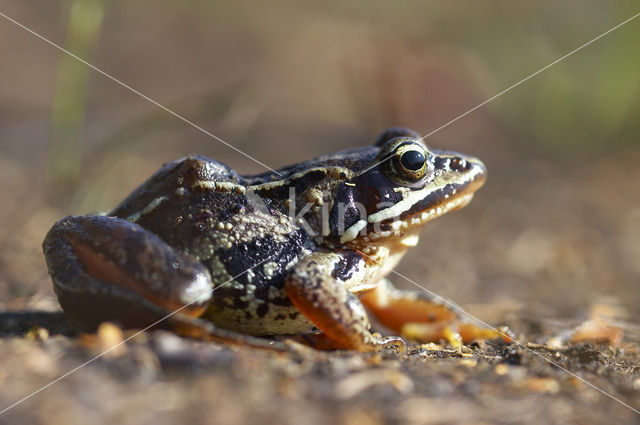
[291, 253]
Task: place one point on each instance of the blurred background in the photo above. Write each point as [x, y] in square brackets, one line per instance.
[552, 240]
[555, 232]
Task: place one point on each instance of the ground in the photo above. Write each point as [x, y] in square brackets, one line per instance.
[541, 284]
[551, 244]
[158, 377]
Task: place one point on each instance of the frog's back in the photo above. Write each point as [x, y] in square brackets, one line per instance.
[202, 208]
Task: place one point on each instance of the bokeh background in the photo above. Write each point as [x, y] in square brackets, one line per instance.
[554, 234]
[557, 224]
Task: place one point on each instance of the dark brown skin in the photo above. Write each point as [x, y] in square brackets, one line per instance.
[211, 254]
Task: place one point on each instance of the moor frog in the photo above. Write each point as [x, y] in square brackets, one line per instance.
[303, 249]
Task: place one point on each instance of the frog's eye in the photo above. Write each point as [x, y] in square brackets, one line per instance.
[413, 160]
[410, 162]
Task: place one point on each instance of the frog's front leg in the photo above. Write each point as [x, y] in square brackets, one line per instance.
[421, 316]
[318, 287]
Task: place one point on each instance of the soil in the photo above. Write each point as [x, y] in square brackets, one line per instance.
[543, 297]
[550, 247]
[158, 377]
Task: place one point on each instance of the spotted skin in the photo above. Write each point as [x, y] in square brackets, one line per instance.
[287, 253]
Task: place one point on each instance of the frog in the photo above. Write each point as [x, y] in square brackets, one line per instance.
[304, 250]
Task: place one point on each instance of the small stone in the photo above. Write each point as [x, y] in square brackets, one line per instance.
[38, 333]
[469, 362]
[543, 385]
[502, 369]
[108, 339]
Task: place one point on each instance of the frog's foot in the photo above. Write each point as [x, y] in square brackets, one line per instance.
[420, 317]
[455, 334]
[325, 301]
[321, 341]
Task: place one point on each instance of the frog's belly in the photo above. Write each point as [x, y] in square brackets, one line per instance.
[277, 320]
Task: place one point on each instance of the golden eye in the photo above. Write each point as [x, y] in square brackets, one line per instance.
[410, 162]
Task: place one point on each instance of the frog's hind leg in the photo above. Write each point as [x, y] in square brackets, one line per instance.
[422, 317]
[108, 269]
[322, 297]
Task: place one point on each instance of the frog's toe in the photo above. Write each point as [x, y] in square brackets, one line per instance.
[471, 332]
[391, 342]
[376, 342]
[455, 334]
[430, 332]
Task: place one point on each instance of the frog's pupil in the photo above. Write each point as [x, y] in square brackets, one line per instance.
[412, 160]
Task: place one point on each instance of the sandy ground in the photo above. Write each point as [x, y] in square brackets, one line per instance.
[542, 271]
[550, 243]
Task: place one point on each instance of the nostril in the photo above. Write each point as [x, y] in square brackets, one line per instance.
[457, 164]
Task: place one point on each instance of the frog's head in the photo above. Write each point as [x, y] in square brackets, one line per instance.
[401, 188]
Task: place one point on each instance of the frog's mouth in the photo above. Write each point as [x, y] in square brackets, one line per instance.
[450, 197]
[414, 219]
[442, 201]
[447, 191]
[422, 216]
[435, 199]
